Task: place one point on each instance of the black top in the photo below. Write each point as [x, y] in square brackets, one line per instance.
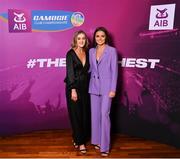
[76, 73]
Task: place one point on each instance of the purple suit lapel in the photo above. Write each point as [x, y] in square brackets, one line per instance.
[94, 58]
[103, 55]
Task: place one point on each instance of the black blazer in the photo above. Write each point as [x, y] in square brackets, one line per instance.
[76, 74]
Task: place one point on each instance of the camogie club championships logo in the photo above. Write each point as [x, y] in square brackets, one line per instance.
[77, 19]
[42, 20]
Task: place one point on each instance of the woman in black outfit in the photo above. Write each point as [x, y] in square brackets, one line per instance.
[77, 80]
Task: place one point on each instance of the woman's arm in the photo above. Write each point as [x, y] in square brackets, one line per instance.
[114, 70]
[70, 76]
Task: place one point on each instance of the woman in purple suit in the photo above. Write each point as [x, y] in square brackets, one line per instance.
[102, 88]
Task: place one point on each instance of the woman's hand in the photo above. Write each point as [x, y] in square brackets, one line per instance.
[74, 95]
[112, 94]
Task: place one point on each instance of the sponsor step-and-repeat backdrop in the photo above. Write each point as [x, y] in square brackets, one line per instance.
[36, 35]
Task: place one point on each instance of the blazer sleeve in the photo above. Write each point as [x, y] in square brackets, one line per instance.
[71, 82]
[114, 69]
[90, 62]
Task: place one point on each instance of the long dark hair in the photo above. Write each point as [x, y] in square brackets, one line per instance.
[103, 29]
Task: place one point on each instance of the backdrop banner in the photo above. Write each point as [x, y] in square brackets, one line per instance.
[36, 35]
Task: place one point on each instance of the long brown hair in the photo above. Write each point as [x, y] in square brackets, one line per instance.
[74, 40]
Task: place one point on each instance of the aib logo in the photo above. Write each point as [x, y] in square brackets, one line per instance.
[19, 21]
[19, 18]
[162, 17]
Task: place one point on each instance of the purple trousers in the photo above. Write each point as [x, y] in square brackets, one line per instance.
[100, 121]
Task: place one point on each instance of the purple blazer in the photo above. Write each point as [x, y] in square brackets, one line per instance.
[104, 73]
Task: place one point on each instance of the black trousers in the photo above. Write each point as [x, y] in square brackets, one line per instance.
[79, 114]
